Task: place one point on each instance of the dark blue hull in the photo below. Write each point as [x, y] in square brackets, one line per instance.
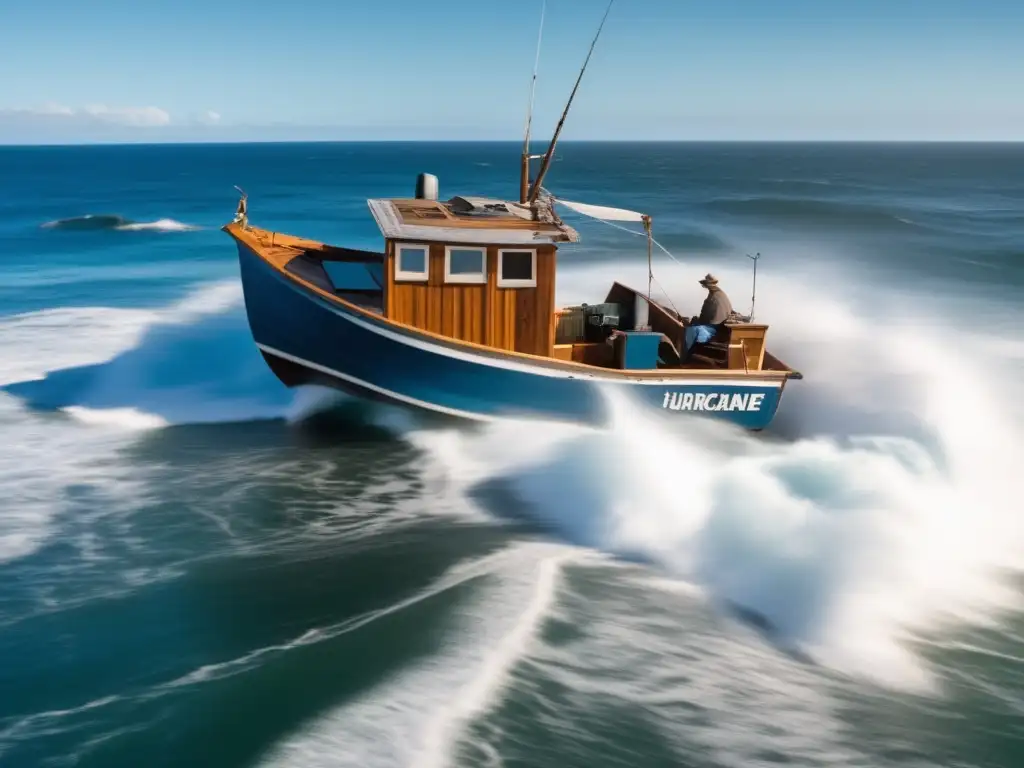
[306, 338]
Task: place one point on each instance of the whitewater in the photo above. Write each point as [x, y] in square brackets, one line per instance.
[881, 505]
[202, 567]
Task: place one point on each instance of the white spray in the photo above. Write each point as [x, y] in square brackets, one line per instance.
[889, 508]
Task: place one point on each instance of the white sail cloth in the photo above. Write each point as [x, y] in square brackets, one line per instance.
[603, 212]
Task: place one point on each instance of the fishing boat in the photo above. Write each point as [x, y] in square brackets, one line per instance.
[457, 315]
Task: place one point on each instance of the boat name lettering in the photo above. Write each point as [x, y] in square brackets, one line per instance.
[713, 401]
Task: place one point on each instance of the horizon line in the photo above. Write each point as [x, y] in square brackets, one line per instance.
[118, 143]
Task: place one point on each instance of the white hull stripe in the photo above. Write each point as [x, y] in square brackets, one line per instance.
[374, 388]
[539, 370]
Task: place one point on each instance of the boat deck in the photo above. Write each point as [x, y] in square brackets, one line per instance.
[739, 346]
[359, 285]
[357, 277]
[352, 275]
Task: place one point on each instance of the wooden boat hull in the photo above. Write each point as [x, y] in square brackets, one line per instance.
[309, 338]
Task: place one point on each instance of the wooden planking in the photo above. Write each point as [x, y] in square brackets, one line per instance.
[514, 319]
[501, 308]
[511, 319]
[281, 243]
[389, 280]
[431, 213]
[522, 304]
[594, 353]
[279, 255]
[535, 307]
[737, 358]
[455, 311]
[258, 239]
[562, 351]
[545, 309]
[752, 338]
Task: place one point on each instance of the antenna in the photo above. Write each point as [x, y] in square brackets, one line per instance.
[524, 171]
[650, 265]
[753, 293]
[535, 189]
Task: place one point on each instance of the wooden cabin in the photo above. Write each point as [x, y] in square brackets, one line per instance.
[484, 271]
[474, 269]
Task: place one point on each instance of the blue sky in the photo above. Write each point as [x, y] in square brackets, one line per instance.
[227, 70]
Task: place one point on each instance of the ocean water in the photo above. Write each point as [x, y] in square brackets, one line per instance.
[199, 567]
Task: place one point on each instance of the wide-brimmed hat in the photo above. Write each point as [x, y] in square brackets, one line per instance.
[708, 280]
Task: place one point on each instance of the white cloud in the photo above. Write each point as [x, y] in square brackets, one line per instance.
[209, 118]
[136, 117]
[133, 116]
[49, 109]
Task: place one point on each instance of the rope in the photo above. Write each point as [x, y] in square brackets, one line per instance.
[651, 239]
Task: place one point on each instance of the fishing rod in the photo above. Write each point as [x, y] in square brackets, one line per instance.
[535, 189]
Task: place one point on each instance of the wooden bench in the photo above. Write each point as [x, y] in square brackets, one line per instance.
[746, 345]
[737, 346]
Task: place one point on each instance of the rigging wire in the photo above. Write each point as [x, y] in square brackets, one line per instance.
[650, 238]
[533, 81]
[641, 234]
[652, 278]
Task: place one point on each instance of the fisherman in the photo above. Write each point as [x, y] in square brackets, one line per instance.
[716, 310]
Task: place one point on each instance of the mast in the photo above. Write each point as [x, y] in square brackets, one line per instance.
[545, 164]
[524, 169]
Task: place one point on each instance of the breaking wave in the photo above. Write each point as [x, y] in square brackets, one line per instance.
[418, 717]
[160, 225]
[114, 372]
[880, 506]
[190, 363]
[877, 507]
[91, 222]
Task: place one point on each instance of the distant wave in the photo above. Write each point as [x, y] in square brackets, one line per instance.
[809, 182]
[160, 225]
[92, 221]
[806, 211]
[191, 362]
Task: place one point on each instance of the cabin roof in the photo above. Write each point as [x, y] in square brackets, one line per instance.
[470, 220]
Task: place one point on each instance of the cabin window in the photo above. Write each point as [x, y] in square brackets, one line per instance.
[517, 268]
[412, 262]
[465, 265]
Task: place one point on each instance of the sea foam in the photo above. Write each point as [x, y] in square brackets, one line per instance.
[880, 506]
[94, 222]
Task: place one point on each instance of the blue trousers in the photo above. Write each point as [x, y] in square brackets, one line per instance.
[697, 333]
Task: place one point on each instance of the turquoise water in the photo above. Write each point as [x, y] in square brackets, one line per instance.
[199, 567]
